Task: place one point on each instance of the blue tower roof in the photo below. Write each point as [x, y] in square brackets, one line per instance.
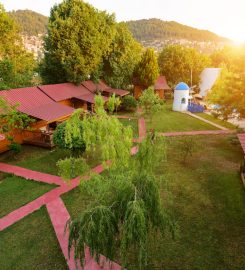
[182, 86]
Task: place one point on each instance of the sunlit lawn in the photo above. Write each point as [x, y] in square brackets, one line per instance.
[170, 121]
[217, 120]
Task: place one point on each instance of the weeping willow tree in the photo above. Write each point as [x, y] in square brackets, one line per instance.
[94, 132]
[125, 209]
[106, 133]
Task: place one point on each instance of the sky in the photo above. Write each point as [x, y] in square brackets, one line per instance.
[224, 17]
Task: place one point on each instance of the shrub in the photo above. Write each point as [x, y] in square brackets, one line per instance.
[15, 147]
[129, 103]
[78, 144]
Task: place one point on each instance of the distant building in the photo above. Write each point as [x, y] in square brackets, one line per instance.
[181, 97]
[208, 78]
[161, 88]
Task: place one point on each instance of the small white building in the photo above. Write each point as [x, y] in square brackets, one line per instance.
[181, 97]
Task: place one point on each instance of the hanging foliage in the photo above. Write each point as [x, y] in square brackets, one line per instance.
[108, 134]
[71, 167]
[125, 209]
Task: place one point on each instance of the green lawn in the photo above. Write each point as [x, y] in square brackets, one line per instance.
[41, 159]
[133, 123]
[217, 120]
[31, 244]
[170, 121]
[16, 192]
[208, 202]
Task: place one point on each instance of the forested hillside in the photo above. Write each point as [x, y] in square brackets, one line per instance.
[157, 29]
[30, 22]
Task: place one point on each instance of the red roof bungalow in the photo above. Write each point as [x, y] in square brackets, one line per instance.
[161, 88]
[39, 106]
[51, 104]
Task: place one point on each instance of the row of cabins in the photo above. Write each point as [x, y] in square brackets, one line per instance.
[52, 104]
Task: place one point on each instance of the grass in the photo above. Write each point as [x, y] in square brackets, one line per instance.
[36, 158]
[41, 159]
[170, 121]
[208, 203]
[133, 123]
[31, 244]
[16, 192]
[217, 120]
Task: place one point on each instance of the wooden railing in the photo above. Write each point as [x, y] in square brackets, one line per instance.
[38, 137]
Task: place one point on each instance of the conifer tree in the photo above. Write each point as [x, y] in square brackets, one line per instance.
[147, 70]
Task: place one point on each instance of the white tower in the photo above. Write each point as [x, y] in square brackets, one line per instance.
[181, 97]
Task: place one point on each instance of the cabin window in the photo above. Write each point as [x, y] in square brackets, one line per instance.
[183, 101]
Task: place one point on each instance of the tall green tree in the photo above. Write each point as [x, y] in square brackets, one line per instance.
[150, 102]
[147, 71]
[179, 63]
[78, 37]
[125, 53]
[16, 64]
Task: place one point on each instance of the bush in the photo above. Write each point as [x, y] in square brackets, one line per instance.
[59, 139]
[129, 103]
[15, 147]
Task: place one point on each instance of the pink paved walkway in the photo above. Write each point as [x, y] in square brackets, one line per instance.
[29, 208]
[199, 132]
[59, 217]
[56, 209]
[29, 174]
[142, 129]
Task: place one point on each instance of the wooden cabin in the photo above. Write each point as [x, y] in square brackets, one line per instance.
[51, 104]
[161, 88]
[42, 109]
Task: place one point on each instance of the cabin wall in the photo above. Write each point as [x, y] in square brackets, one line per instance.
[66, 102]
[20, 135]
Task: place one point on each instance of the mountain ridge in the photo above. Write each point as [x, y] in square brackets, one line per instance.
[33, 23]
[150, 29]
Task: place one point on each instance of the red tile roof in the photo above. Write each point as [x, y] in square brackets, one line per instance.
[63, 91]
[89, 98]
[50, 112]
[102, 86]
[35, 103]
[90, 85]
[161, 83]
